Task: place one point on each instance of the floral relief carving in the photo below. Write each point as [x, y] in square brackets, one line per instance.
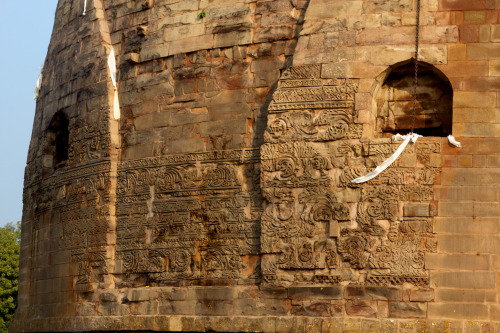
[319, 226]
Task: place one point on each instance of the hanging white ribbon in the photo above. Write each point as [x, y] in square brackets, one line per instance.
[84, 7]
[407, 138]
[454, 142]
[112, 72]
[112, 66]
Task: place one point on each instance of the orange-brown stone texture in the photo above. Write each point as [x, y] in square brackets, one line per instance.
[208, 186]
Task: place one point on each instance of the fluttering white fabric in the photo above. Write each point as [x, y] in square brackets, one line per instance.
[454, 142]
[407, 138]
[112, 73]
[38, 84]
[84, 7]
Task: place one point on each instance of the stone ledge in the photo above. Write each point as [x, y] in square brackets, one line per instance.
[248, 324]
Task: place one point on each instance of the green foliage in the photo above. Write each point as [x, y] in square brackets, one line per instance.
[202, 14]
[10, 237]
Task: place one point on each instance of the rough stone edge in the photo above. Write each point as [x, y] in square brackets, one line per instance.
[246, 324]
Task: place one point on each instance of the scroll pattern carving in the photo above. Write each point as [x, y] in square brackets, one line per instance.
[74, 201]
[189, 218]
[89, 139]
[319, 227]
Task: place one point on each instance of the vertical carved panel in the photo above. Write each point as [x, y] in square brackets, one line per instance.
[74, 201]
[318, 226]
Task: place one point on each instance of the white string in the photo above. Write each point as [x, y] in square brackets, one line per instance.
[84, 8]
[407, 138]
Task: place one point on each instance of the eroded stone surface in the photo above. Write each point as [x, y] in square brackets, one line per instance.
[221, 199]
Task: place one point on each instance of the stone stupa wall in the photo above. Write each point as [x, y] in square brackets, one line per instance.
[211, 191]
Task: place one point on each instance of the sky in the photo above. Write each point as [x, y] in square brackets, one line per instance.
[26, 28]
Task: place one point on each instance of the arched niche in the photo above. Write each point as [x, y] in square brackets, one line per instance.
[57, 139]
[394, 101]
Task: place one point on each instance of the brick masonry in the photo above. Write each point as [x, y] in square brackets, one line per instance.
[219, 199]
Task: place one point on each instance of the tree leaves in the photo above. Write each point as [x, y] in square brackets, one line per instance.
[10, 236]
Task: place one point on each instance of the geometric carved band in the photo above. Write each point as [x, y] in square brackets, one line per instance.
[327, 279]
[381, 280]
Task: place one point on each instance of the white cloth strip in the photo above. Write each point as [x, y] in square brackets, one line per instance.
[454, 142]
[38, 84]
[112, 73]
[407, 138]
[112, 67]
[84, 7]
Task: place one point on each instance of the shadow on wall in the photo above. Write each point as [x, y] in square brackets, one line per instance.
[394, 101]
[56, 145]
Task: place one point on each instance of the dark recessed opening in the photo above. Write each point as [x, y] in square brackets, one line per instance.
[433, 116]
[57, 141]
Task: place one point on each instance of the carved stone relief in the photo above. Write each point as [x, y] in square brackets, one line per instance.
[317, 226]
[74, 200]
[198, 218]
[76, 203]
[89, 139]
[189, 218]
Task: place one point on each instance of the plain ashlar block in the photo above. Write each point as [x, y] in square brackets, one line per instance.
[463, 279]
[190, 44]
[321, 9]
[476, 130]
[422, 295]
[464, 68]
[495, 33]
[484, 83]
[229, 38]
[469, 208]
[471, 311]
[417, 209]
[473, 99]
[494, 67]
[457, 52]
[463, 295]
[483, 51]
[467, 193]
[385, 36]
[455, 209]
[365, 70]
[477, 243]
[441, 261]
[433, 34]
[468, 115]
[493, 161]
[471, 176]
[484, 33]
[399, 35]
[463, 5]
[467, 225]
